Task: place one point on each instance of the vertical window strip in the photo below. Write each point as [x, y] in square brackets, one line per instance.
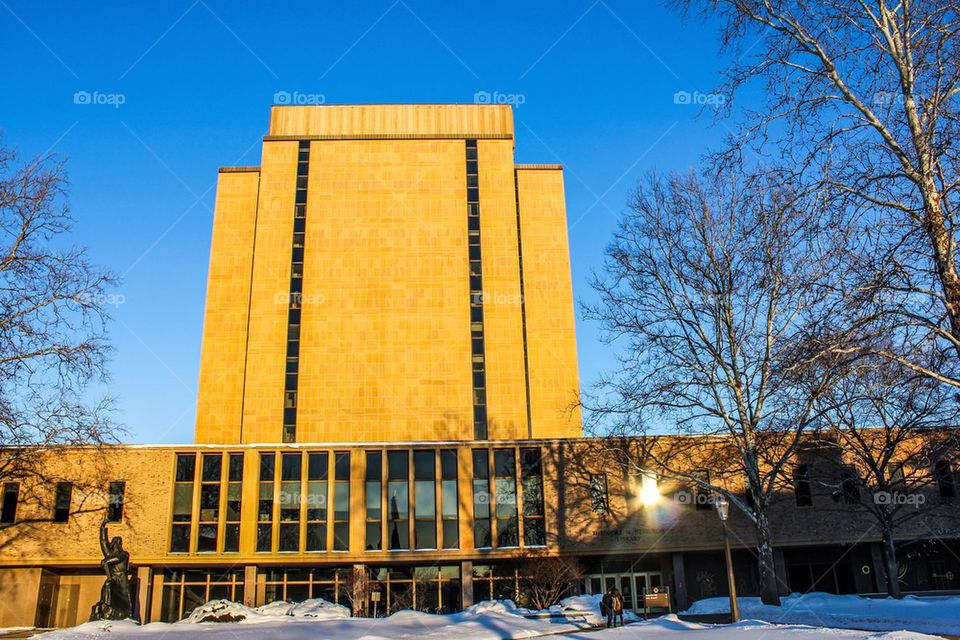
[291, 476]
[265, 503]
[210, 475]
[505, 496]
[291, 379]
[449, 499]
[231, 531]
[531, 479]
[374, 501]
[398, 499]
[425, 499]
[476, 294]
[318, 488]
[182, 502]
[482, 533]
[341, 501]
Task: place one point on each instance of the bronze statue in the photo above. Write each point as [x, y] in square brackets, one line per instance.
[115, 603]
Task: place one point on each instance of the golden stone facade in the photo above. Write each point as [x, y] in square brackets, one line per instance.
[384, 331]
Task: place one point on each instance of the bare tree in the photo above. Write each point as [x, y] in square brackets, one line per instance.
[891, 428]
[544, 580]
[53, 310]
[864, 98]
[714, 286]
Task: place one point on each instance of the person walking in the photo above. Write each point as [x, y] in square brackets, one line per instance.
[617, 607]
[606, 605]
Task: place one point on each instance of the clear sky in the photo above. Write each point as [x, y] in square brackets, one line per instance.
[170, 91]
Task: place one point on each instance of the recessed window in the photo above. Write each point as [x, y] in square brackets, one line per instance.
[116, 499]
[849, 486]
[598, 493]
[61, 504]
[11, 495]
[943, 471]
[801, 486]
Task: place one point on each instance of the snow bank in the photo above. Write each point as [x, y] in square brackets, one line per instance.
[587, 608]
[226, 611]
[926, 614]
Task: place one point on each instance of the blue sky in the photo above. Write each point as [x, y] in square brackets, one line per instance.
[179, 88]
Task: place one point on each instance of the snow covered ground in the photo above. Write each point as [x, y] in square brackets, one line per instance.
[486, 625]
[927, 614]
[317, 619]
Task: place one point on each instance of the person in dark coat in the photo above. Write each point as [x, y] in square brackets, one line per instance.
[606, 606]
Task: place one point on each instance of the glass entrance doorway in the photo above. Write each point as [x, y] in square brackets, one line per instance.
[630, 586]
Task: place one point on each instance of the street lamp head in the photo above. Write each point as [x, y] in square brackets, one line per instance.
[723, 507]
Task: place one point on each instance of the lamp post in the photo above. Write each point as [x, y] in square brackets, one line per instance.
[723, 510]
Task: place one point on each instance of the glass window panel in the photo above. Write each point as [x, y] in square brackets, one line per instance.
[290, 501]
[481, 499]
[234, 493]
[317, 466]
[374, 497]
[506, 496]
[289, 537]
[317, 501]
[211, 467]
[209, 502]
[185, 467]
[449, 498]
[266, 466]
[207, 538]
[481, 533]
[342, 466]
[341, 536]
[507, 532]
[425, 499]
[451, 534]
[533, 532]
[399, 534]
[341, 505]
[503, 463]
[290, 466]
[265, 503]
[231, 538]
[481, 468]
[182, 502]
[398, 500]
[316, 536]
[398, 465]
[180, 538]
[374, 536]
[374, 465]
[423, 465]
[426, 534]
[264, 533]
[530, 462]
[235, 471]
[532, 496]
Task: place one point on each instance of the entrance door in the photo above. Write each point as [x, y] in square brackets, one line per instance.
[630, 586]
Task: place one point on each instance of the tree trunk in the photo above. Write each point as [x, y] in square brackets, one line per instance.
[942, 245]
[769, 593]
[888, 551]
